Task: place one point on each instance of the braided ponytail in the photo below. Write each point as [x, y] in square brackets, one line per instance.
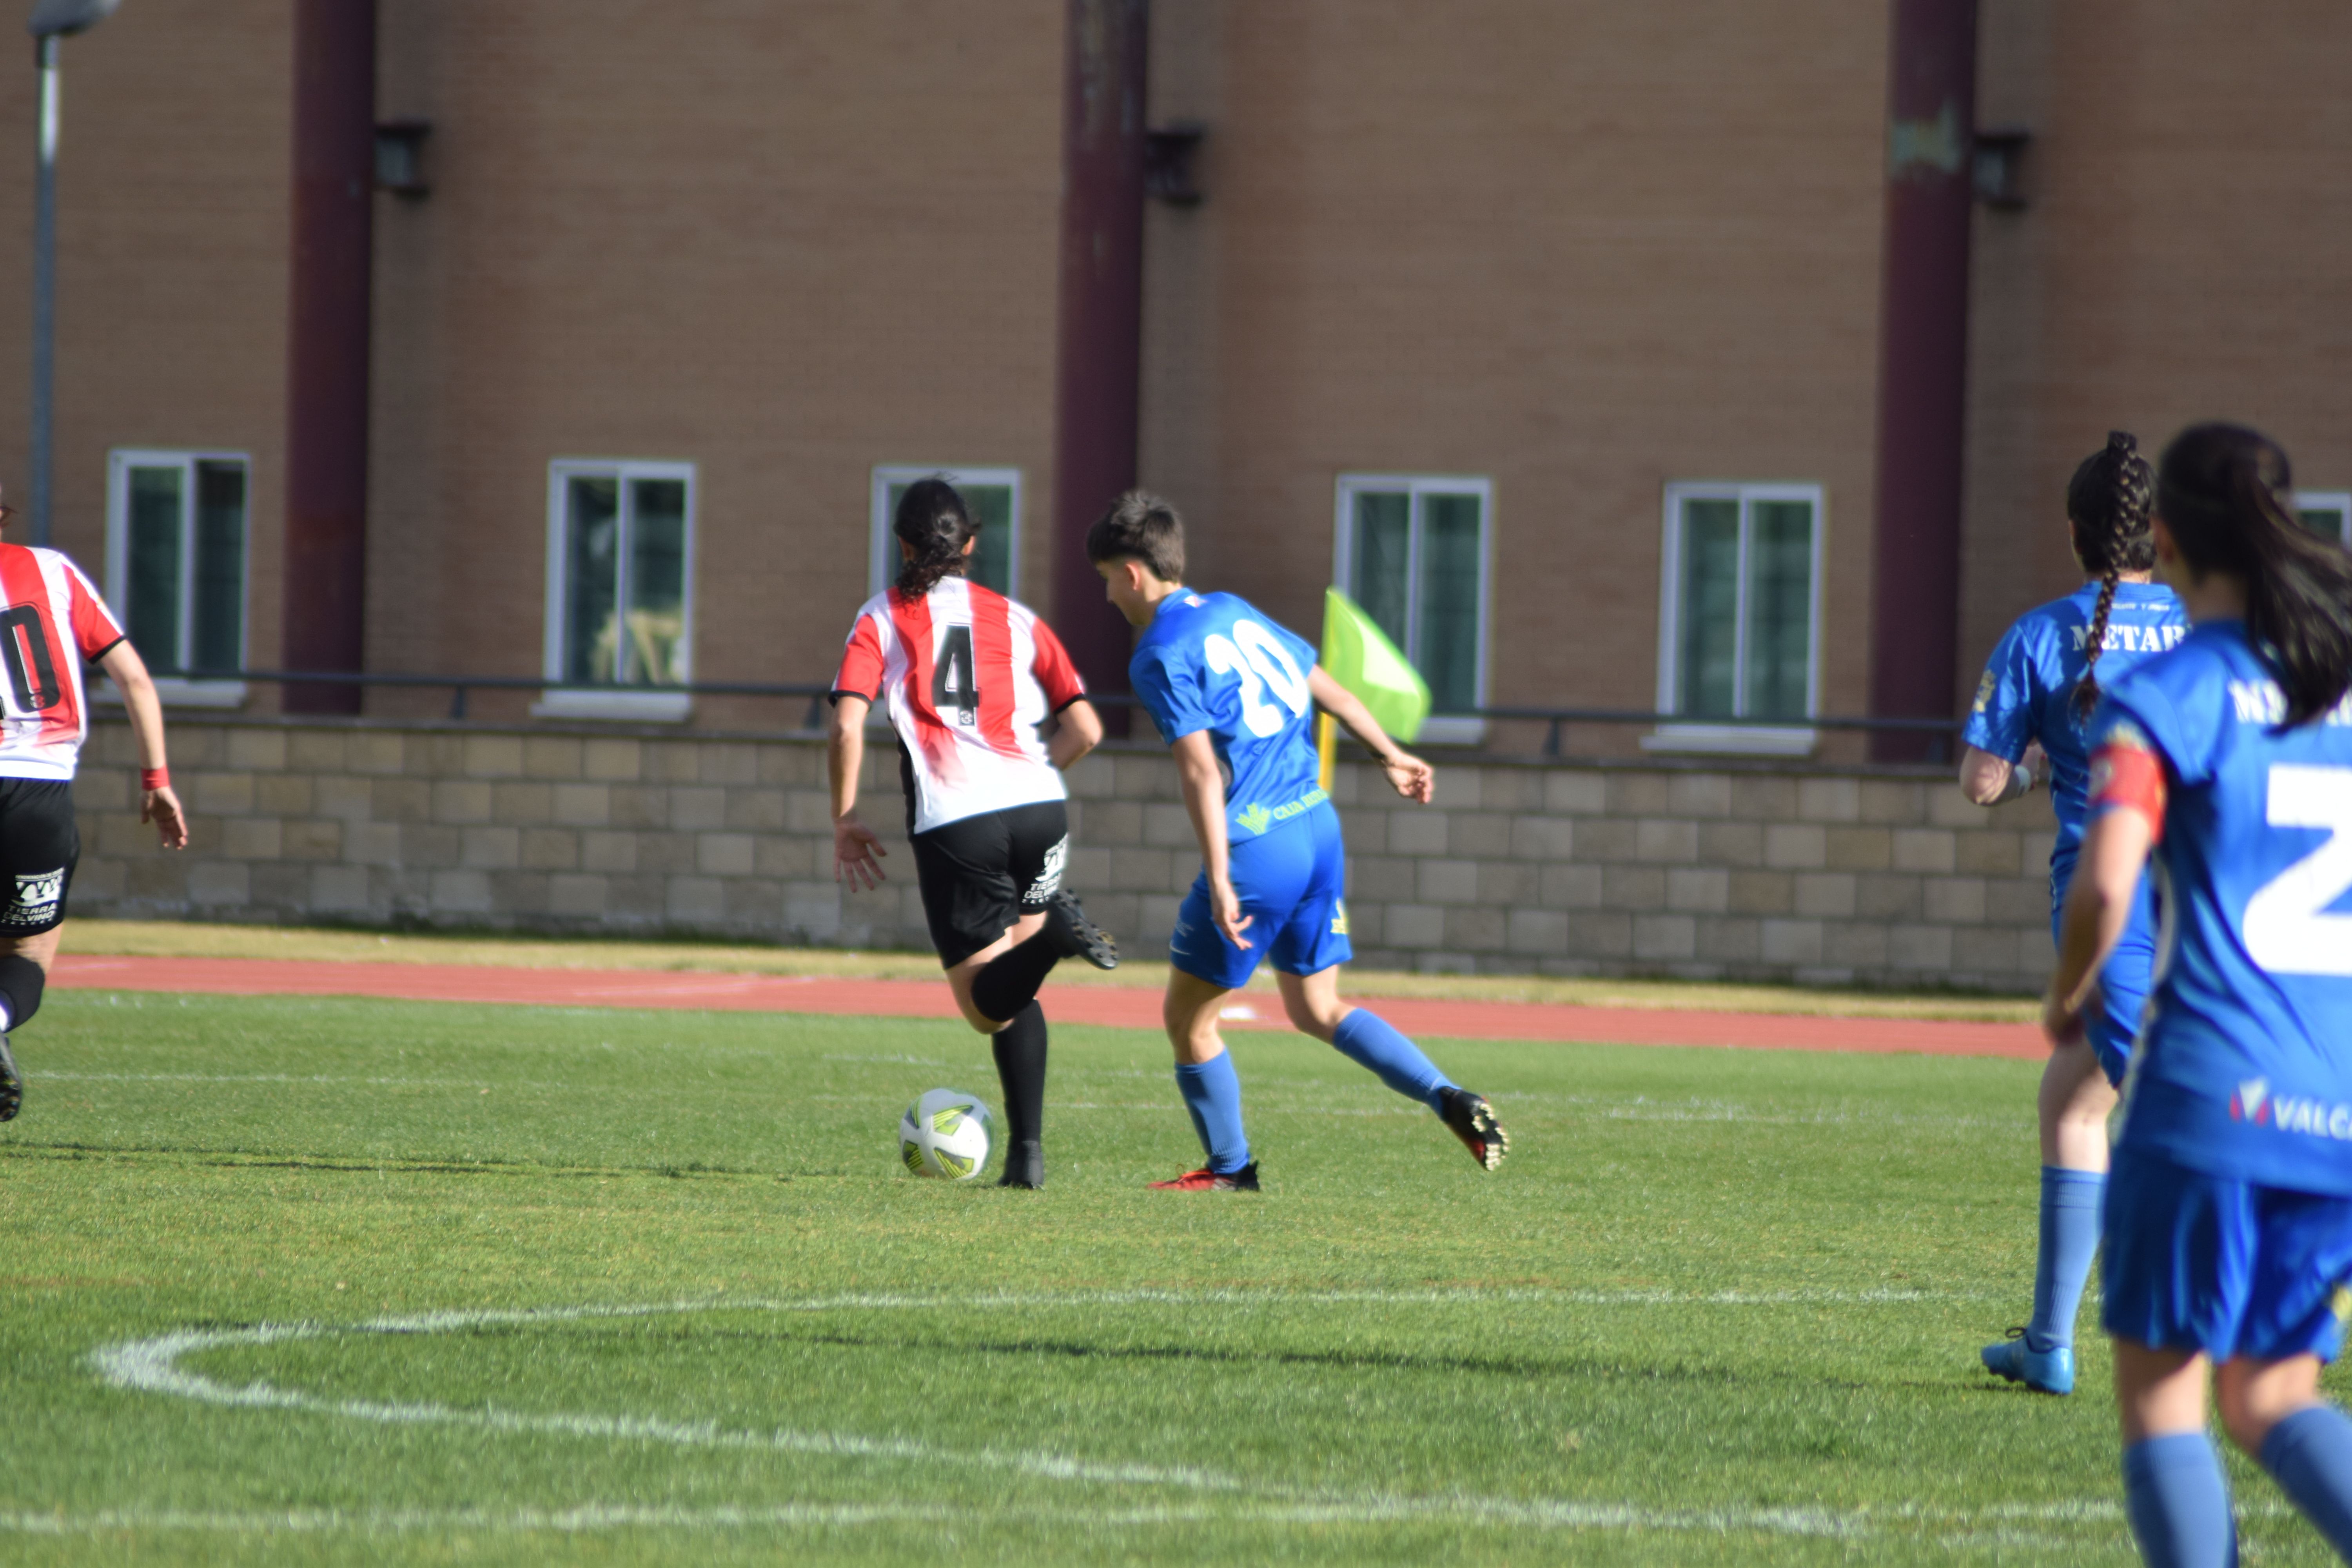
[2108, 502]
[932, 518]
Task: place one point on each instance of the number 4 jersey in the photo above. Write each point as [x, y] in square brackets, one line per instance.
[54, 621]
[967, 676]
[1210, 661]
[2244, 1065]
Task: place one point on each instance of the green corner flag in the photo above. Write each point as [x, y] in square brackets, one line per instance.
[1360, 656]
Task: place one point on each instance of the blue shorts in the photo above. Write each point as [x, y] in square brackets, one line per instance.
[1291, 883]
[2124, 982]
[2194, 1262]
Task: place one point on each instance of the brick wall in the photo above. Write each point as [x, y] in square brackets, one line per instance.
[1730, 870]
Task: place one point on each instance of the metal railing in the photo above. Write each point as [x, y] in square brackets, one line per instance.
[1941, 733]
[462, 687]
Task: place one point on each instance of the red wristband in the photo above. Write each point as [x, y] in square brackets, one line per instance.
[154, 778]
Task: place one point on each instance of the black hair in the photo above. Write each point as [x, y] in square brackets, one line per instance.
[933, 519]
[2221, 492]
[2106, 502]
[1141, 525]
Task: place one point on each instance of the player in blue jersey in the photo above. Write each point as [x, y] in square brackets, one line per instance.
[2037, 694]
[1234, 694]
[2229, 1219]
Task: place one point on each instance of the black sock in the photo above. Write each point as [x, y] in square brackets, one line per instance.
[20, 987]
[1020, 1049]
[1011, 979]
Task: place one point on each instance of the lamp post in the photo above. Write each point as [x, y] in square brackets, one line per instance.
[51, 20]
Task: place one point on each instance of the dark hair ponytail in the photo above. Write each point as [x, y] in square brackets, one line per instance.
[2220, 493]
[933, 519]
[2106, 501]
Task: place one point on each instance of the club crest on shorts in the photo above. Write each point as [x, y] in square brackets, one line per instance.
[1049, 879]
[38, 893]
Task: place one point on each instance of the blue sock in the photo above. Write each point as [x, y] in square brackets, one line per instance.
[2179, 1503]
[2069, 1239]
[1212, 1093]
[2309, 1454]
[1371, 1041]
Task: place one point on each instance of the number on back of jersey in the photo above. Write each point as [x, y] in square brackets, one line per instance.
[955, 679]
[1257, 655]
[2291, 925]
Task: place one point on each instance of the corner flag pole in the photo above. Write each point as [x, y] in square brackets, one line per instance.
[1327, 749]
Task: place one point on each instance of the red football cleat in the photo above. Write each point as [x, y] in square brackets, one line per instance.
[1204, 1180]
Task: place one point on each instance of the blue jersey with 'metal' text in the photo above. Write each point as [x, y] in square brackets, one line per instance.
[2243, 1068]
[2029, 684]
[1212, 662]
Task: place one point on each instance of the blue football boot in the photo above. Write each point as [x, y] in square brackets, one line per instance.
[2044, 1371]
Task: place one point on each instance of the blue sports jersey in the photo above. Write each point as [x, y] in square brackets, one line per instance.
[2245, 1067]
[1210, 661]
[2030, 681]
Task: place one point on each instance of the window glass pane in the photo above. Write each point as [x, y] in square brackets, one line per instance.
[217, 638]
[2325, 521]
[1379, 557]
[992, 554]
[154, 565]
[1708, 609]
[591, 559]
[1779, 609]
[1448, 655]
[656, 582]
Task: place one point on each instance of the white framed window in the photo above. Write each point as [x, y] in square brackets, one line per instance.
[1739, 613]
[2326, 512]
[1415, 551]
[620, 589]
[991, 495]
[175, 566]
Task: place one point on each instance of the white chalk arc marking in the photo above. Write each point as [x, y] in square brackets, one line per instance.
[151, 1366]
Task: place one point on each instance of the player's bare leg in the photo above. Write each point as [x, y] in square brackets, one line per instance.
[24, 968]
[1314, 1007]
[1204, 1073]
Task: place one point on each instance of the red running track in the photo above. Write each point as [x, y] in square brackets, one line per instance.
[1118, 1007]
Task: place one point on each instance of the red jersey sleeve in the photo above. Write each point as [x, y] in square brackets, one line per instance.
[95, 630]
[1051, 667]
[861, 663]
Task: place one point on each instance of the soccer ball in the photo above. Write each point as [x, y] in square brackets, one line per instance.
[945, 1133]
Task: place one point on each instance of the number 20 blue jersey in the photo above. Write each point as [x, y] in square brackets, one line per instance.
[2245, 1067]
[1210, 661]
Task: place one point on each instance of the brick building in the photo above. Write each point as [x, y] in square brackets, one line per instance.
[1555, 331]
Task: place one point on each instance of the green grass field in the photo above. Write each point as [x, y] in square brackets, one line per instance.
[640, 1287]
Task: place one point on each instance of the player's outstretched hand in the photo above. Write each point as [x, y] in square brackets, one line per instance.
[1411, 777]
[1228, 905]
[162, 807]
[854, 853]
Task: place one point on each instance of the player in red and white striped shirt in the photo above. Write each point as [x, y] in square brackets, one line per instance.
[53, 620]
[967, 675]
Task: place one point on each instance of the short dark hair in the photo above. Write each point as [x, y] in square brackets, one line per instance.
[1144, 526]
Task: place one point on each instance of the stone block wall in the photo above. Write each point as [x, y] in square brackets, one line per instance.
[1703, 869]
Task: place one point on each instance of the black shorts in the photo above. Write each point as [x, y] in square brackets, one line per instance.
[980, 874]
[39, 844]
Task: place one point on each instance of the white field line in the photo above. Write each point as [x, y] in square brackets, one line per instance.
[279, 1078]
[151, 1366]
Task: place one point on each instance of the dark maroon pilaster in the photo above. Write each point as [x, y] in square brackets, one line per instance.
[1923, 366]
[327, 349]
[1101, 330]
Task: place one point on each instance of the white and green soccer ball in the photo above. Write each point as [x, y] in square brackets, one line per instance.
[945, 1133]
